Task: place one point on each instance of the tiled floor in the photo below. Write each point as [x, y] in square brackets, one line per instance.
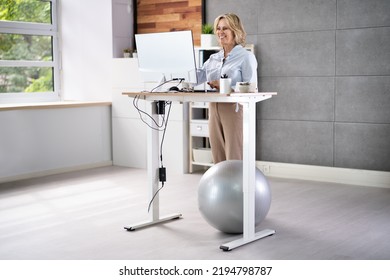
[82, 215]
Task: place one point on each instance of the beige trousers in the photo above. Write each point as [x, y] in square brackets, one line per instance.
[225, 131]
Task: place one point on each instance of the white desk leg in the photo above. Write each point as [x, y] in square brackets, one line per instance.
[249, 181]
[153, 180]
[152, 152]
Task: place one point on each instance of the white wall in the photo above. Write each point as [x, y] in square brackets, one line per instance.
[37, 142]
[130, 133]
[45, 141]
[86, 40]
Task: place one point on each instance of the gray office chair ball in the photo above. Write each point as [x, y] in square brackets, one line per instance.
[220, 196]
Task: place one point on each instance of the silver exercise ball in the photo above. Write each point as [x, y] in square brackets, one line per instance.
[220, 196]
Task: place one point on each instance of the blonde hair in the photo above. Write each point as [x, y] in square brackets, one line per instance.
[234, 23]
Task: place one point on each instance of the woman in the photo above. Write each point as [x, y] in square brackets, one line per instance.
[240, 65]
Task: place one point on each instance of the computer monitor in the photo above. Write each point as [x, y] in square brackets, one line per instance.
[166, 55]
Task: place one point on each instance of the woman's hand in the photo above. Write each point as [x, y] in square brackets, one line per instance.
[214, 84]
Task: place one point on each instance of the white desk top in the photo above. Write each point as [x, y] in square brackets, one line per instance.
[202, 96]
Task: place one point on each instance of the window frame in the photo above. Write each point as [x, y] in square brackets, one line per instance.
[47, 29]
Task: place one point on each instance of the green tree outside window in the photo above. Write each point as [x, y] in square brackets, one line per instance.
[26, 47]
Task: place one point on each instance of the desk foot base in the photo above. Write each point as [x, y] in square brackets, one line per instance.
[241, 241]
[149, 223]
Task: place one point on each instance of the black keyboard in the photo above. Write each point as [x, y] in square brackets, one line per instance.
[204, 91]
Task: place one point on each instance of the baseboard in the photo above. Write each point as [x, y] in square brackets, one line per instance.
[54, 171]
[325, 174]
[270, 169]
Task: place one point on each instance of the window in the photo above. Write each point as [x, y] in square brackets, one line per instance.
[29, 60]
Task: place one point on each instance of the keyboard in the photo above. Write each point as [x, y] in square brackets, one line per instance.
[201, 90]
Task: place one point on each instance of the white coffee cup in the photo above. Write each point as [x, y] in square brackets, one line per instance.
[225, 85]
[243, 87]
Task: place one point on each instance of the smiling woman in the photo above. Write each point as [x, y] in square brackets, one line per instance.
[239, 65]
[28, 51]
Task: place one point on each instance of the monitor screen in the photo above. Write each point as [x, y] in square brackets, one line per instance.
[166, 55]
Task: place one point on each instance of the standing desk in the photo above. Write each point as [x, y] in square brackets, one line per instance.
[248, 100]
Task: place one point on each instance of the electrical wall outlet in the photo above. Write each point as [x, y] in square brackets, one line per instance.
[265, 168]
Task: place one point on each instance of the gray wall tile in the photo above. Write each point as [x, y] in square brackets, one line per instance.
[295, 141]
[296, 15]
[299, 98]
[252, 39]
[362, 146]
[297, 54]
[329, 62]
[246, 10]
[362, 13]
[363, 51]
[363, 99]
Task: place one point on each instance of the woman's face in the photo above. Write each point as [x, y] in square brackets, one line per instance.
[224, 33]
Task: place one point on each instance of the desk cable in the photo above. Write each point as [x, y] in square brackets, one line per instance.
[159, 127]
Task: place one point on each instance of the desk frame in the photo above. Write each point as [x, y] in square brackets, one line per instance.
[248, 100]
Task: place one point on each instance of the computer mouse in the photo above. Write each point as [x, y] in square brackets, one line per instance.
[174, 89]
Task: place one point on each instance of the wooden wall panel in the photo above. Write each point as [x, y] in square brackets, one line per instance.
[170, 15]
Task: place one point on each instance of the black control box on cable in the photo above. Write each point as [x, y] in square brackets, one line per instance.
[160, 107]
[162, 174]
